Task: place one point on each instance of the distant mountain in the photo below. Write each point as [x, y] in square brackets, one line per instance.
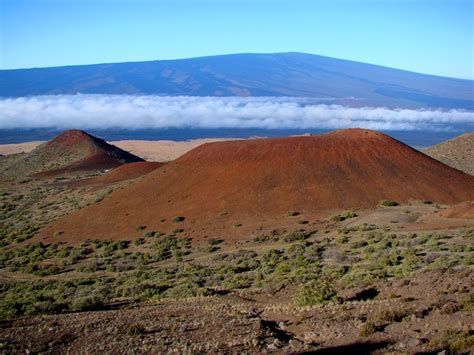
[279, 74]
[457, 152]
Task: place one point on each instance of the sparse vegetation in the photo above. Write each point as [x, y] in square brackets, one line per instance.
[368, 329]
[135, 330]
[388, 203]
[297, 235]
[343, 216]
[455, 341]
[312, 276]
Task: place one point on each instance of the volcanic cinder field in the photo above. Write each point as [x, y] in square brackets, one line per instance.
[344, 242]
[237, 177]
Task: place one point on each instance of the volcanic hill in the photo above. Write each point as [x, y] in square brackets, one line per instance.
[457, 152]
[71, 151]
[231, 188]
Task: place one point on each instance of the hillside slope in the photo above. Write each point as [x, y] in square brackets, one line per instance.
[457, 152]
[219, 185]
[278, 74]
[71, 151]
[121, 173]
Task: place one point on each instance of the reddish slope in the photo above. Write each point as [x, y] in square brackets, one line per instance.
[463, 210]
[124, 172]
[262, 179]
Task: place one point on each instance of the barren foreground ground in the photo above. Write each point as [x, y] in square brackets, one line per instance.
[401, 315]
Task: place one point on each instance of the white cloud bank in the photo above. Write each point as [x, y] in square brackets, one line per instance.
[145, 112]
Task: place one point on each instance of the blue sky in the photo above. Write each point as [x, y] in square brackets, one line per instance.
[428, 36]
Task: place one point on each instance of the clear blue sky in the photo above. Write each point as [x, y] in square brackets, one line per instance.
[428, 36]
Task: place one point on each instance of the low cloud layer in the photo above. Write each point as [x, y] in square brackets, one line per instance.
[145, 112]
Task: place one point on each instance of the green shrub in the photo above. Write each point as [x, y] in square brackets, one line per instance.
[342, 239]
[411, 262]
[150, 234]
[282, 268]
[238, 282]
[47, 270]
[358, 244]
[335, 272]
[139, 241]
[210, 248]
[468, 304]
[164, 247]
[91, 266]
[347, 230]
[457, 248]
[343, 216]
[467, 234]
[367, 227]
[388, 316]
[388, 203]
[348, 214]
[87, 303]
[178, 255]
[314, 292]
[455, 341]
[296, 236]
[262, 238]
[270, 260]
[214, 241]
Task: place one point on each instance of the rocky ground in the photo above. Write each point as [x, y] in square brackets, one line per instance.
[427, 313]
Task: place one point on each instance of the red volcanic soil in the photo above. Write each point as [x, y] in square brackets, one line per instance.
[464, 210]
[76, 150]
[122, 173]
[219, 185]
